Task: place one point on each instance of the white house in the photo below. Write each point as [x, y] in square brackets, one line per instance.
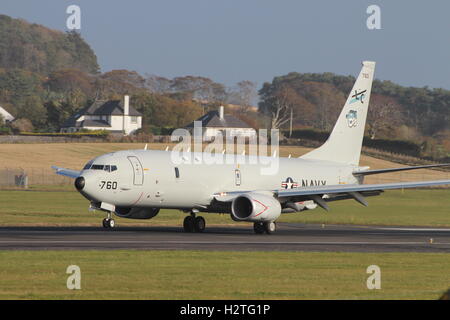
[114, 115]
[216, 121]
[7, 117]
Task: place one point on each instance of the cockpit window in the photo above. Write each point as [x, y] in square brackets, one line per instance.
[88, 165]
[105, 167]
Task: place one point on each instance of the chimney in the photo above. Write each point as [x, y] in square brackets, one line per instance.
[126, 106]
[221, 112]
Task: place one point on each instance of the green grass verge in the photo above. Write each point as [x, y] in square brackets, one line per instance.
[221, 275]
[411, 207]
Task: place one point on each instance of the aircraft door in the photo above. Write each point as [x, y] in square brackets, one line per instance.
[138, 173]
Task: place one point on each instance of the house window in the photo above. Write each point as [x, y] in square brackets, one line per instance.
[134, 119]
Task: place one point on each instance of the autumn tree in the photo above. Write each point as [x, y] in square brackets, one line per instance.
[157, 84]
[243, 94]
[117, 83]
[383, 117]
[69, 80]
[200, 88]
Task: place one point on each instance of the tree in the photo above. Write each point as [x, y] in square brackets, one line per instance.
[163, 111]
[157, 84]
[22, 125]
[199, 88]
[245, 94]
[281, 107]
[68, 81]
[118, 83]
[38, 49]
[384, 116]
[33, 109]
[327, 101]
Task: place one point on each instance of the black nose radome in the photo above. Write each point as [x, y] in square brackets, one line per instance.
[79, 183]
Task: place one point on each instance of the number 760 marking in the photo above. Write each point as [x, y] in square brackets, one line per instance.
[108, 184]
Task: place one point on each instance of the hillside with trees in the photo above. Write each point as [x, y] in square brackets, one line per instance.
[421, 115]
[35, 48]
[46, 76]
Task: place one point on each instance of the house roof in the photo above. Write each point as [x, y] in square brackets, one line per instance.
[100, 108]
[6, 115]
[212, 120]
[111, 107]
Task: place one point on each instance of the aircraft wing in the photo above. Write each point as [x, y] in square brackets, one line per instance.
[66, 172]
[322, 194]
[378, 171]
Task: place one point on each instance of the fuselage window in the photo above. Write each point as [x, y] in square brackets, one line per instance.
[107, 168]
[113, 168]
[177, 173]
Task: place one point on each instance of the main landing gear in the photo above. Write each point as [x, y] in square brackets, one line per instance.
[265, 227]
[194, 224]
[109, 223]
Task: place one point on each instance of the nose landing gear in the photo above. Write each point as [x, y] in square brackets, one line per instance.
[194, 224]
[109, 223]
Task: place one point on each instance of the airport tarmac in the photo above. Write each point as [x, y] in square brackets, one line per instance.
[289, 237]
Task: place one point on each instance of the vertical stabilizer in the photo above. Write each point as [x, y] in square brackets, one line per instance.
[345, 141]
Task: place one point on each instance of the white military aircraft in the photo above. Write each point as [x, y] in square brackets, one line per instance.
[136, 184]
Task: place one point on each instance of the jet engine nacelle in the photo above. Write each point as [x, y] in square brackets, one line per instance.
[136, 213]
[255, 207]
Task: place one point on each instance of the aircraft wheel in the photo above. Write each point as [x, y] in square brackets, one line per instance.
[270, 227]
[200, 224]
[189, 224]
[108, 223]
[258, 227]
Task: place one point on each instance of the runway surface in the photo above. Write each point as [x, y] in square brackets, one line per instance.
[289, 237]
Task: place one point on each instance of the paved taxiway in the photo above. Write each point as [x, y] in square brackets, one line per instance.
[289, 237]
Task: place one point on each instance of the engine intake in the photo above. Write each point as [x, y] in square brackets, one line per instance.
[255, 207]
[136, 213]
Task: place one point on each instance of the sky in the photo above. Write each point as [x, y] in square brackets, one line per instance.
[233, 40]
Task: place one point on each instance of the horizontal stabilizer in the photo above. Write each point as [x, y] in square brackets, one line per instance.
[369, 172]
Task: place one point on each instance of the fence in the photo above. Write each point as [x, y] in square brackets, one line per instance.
[25, 177]
[9, 139]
